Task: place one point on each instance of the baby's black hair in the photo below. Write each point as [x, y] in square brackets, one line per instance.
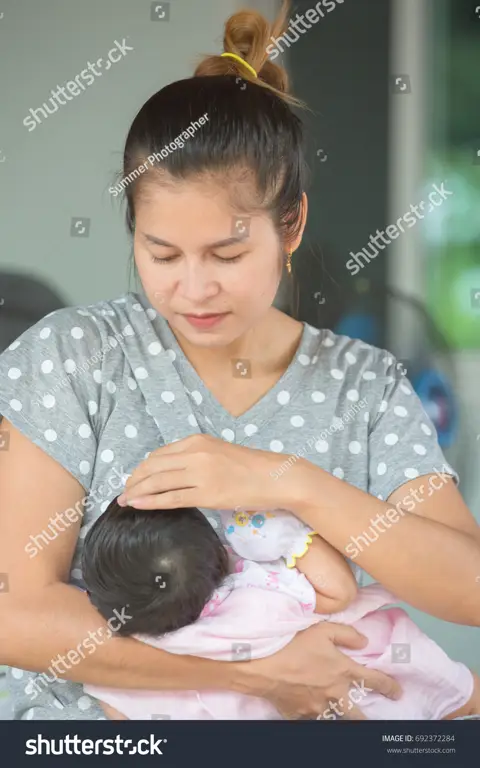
[164, 564]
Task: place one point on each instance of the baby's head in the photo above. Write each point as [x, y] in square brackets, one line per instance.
[164, 564]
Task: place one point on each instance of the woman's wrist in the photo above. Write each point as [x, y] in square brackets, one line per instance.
[302, 489]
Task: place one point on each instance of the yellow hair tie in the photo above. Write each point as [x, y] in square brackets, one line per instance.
[242, 61]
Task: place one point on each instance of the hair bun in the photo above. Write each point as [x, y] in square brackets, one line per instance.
[248, 35]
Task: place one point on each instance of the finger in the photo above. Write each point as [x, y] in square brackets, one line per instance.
[374, 680]
[182, 497]
[154, 465]
[342, 634]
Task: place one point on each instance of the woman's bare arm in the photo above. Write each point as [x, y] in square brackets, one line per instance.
[42, 618]
[329, 574]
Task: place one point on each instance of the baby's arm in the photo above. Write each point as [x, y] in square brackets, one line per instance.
[329, 574]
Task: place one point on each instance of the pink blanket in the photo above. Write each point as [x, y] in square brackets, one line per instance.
[259, 622]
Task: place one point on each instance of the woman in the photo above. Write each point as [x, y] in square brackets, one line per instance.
[201, 393]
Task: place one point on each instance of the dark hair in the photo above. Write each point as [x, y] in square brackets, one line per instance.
[163, 564]
[250, 127]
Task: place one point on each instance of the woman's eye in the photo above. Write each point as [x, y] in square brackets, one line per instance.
[159, 260]
[234, 258]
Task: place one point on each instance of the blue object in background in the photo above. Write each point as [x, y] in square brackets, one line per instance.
[438, 399]
[360, 325]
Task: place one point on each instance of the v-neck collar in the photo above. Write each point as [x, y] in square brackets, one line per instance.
[280, 394]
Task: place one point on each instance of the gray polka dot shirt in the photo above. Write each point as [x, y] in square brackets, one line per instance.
[99, 387]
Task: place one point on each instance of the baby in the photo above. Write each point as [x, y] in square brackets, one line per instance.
[189, 594]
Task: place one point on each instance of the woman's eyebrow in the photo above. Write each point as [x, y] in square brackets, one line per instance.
[218, 244]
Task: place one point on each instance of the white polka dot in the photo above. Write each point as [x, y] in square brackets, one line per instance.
[379, 496]
[318, 397]
[76, 573]
[336, 373]
[97, 376]
[297, 421]
[130, 431]
[328, 342]
[353, 395]
[276, 446]
[411, 473]
[84, 430]
[151, 314]
[196, 396]
[405, 389]
[420, 449]
[111, 387]
[141, 373]
[369, 375]
[338, 472]
[383, 406]
[128, 331]
[382, 468]
[172, 354]
[92, 407]
[137, 307]
[84, 702]
[354, 447]
[28, 714]
[283, 397]
[45, 333]
[167, 397]
[425, 429]
[83, 312]
[212, 522]
[228, 434]
[366, 416]
[321, 446]
[112, 341]
[46, 366]
[391, 438]
[14, 373]
[313, 331]
[250, 430]
[132, 384]
[58, 704]
[84, 467]
[120, 301]
[77, 333]
[50, 435]
[304, 359]
[192, 420]
[48, 401]
[16, 405]
[314, 359]
[107, 456]
[399, 410]
[13, 346]
[387, 360]
[17, 673]
[155, 348]
[70, 366]
[350, 358]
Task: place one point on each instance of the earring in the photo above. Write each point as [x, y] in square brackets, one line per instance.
[289, 262]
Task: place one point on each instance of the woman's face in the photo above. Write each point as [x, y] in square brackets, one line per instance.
[209, 261]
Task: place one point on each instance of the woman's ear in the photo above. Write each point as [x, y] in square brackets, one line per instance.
[295, 243]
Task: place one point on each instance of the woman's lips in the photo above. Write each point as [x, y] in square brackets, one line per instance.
[205, 321]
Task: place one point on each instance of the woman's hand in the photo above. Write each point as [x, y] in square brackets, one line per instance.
[204, 471]
[311, 679]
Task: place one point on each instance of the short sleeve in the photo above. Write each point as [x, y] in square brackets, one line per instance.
[403, 442]
[48, 390]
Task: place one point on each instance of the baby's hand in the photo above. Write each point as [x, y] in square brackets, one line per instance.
[266, 535]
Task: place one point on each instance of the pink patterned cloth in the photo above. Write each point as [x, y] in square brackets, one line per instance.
[245, 619]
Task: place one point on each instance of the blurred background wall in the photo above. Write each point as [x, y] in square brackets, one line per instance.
[393, 86]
